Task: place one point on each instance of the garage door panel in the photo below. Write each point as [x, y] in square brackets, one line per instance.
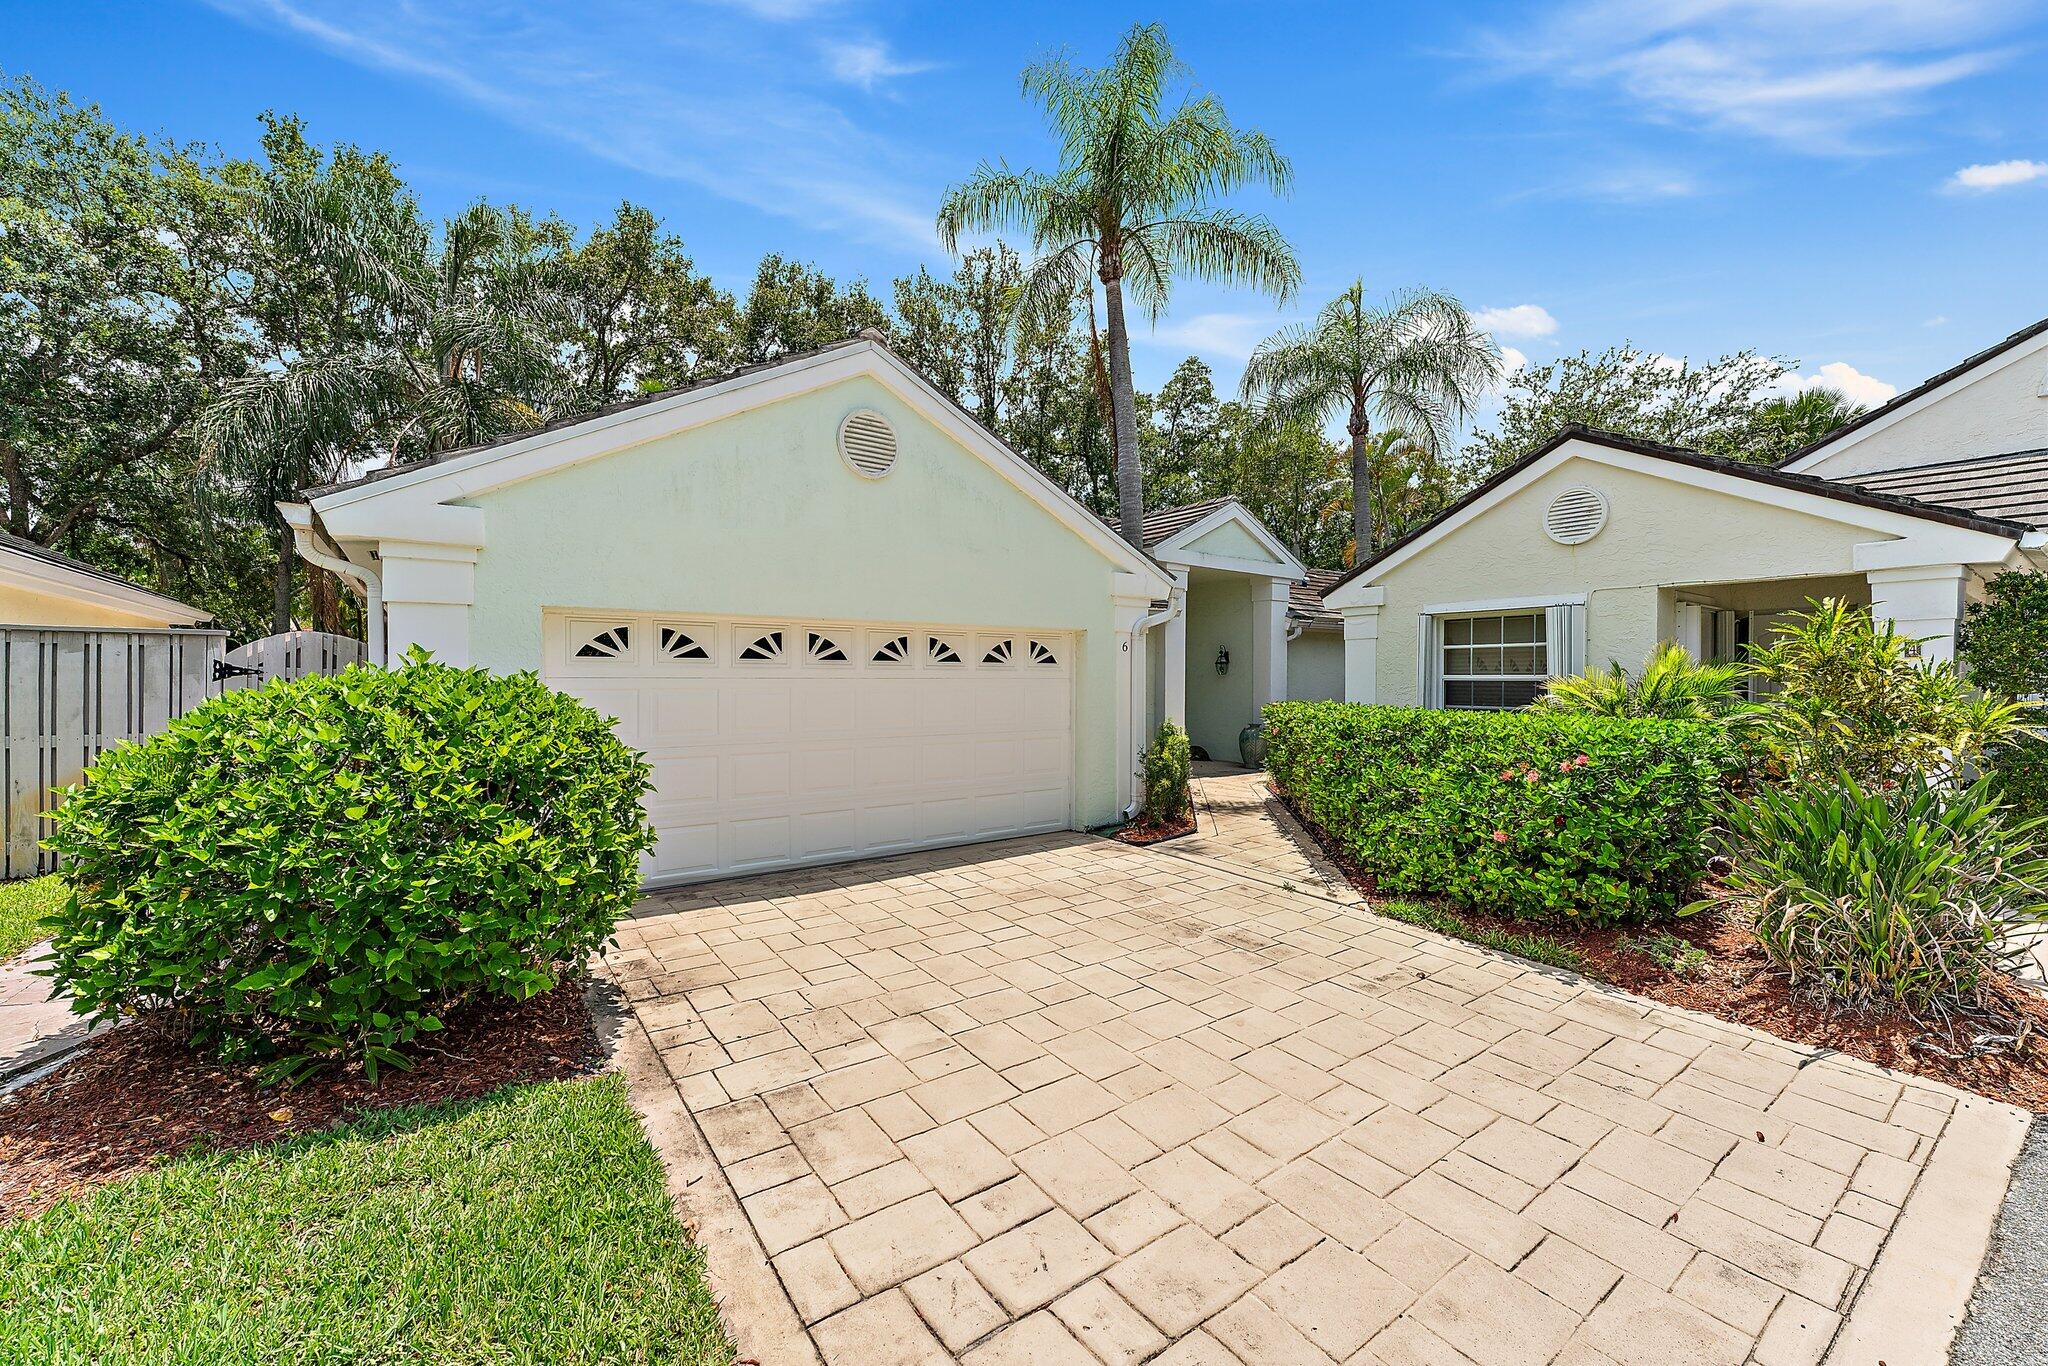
[840, 742]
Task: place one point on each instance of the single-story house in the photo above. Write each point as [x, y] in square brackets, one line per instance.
[839, 615]
[1595, 547]
[39, 587]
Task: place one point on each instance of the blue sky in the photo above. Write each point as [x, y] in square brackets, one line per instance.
[1860, 185]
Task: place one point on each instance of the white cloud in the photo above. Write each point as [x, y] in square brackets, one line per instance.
[780, 10]
[1938, 320]
[1997, 175]
[745, 123]
[1231, 336]
[1845, 379]
[1519, 320]
[867, 62]
[1819, 75]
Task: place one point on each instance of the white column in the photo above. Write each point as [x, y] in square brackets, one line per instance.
[428, 592]
[1362, 648]
[1924, 602]
[1130, 670]
[1173, 663]
[1269, 642]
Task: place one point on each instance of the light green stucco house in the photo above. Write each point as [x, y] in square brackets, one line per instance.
[840, 617]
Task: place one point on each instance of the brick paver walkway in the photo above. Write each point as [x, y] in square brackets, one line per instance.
[1061, 1100]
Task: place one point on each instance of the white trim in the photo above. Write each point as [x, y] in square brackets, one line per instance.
[1457, 609]
[482, 471]
[2032, 347]
[18, 569]
[1175, 548]
[1953, 542]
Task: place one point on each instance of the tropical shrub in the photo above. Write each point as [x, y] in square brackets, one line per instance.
[2020, 767]
[1166, 763]
[1904, 896]
[319, 869]
[1851, 696]
[2004, 637]
[1541, 815]
[1672, 686]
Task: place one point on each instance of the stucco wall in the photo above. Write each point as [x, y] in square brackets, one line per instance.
[1219, 705]
[1315, 667]
[25, 607]
[2002, 412]
[758, 515]
[1659, 534]
[1234, 541]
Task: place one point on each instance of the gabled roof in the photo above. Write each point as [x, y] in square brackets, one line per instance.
[1167, 522]
[2013, 485]
[1917, 392]
[61, 574]
[1175, 536]
[1771, 475]
[431, 488]
[1305, 599]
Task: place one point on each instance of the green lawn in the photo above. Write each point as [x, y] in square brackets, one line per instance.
[530, 1226]
[22, 907]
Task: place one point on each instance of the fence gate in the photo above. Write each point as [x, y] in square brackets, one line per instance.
[71, 695]
[294, 654]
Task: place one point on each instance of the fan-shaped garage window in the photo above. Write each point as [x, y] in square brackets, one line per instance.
[1575, 516]
[895, 650]
[1042, 654]
[867, 443]
[683, 644]
[822, 649]
[612, 642]
[765, 648]
[940, 652]
[1002, 652]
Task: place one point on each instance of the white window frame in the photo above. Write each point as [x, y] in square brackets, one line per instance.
[1564, 633]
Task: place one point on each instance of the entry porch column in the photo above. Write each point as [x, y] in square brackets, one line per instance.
[1923, 602]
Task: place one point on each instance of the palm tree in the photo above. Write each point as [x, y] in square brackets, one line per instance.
[1671, 687]
[427, 348]
[1416, 363]
[1792, 424]
[1132, 201]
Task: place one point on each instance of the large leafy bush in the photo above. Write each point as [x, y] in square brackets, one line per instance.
[1849, 695]
[318, 869]
[1907, 895]
[1542, 815]
[1672, 686]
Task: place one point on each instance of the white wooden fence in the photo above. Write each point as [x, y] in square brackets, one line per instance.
[72, 694]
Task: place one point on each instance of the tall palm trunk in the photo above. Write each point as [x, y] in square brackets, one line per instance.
[1361, 484]
[1123, 403]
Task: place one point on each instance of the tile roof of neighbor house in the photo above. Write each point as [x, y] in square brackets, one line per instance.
[1164, 523]
[2013, 485]
[1305, 600]
[1925, 386]
[1839, 490]
[34, 551]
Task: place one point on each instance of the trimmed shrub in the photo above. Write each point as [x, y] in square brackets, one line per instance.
[318, 869]
[1907, 896]
[2021, 770]
[1535, 814]
[1166, 765]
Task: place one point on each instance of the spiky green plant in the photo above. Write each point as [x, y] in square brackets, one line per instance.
[1672, 686]
[1133, 202]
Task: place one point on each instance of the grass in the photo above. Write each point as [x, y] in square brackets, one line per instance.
[1537, 948]
[530, 1226]
[22, 908]
[1669, 952]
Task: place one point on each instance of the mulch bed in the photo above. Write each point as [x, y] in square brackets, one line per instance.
[1141, 833]
[1738, 983]
[135, 1095]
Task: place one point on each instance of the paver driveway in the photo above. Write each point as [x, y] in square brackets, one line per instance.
[1060, 1099]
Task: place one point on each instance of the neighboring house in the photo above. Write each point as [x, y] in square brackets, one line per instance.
[1595, 547]
[839, 616]
[39, 587]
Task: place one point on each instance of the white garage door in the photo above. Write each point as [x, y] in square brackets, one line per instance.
[779, 743]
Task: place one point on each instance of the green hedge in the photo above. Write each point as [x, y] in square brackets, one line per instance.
[1539, 815]
[319, 869]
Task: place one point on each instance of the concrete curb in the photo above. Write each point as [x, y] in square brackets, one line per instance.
[751, 1300]
[1915, 1296]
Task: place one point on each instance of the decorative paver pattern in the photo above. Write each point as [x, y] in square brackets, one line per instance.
[1060, 1099]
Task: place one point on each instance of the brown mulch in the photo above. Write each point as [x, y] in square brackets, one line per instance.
[136, 1096]
[1143, 833]
[2002, 1053]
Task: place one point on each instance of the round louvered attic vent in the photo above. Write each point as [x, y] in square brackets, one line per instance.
[1575, 516]
[867, 444]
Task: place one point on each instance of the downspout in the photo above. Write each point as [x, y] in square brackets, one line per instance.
[365, 581]
[1174, 602]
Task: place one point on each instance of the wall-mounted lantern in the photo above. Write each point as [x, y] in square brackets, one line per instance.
[1223, 661]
